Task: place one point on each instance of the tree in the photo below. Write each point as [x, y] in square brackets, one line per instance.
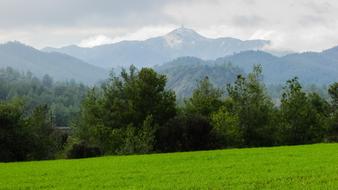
[333, 126]
[226, 128]
[14, 142]
[47, 81]
[122, 107]
[186, 132]
[25, 137]
[254, 109]
[139, 140]
[205, 99]
[42, 135]
[302, 115]
[333, 92]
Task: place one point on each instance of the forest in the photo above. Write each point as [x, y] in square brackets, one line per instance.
[134, 112]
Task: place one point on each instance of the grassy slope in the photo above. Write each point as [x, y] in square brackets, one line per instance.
[312, 166]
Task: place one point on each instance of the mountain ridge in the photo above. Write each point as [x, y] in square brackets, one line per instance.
[177, 43]
[60, 66]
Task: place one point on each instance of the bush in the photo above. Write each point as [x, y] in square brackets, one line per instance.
[83, 150]
[184, 133]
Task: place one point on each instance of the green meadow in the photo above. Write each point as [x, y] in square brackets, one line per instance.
[293, 167]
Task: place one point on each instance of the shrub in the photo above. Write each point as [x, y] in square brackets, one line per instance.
[83, 150]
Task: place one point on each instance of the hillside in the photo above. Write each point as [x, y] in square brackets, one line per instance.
[310, 67]
[184, 74]
[296, 167]
[59, 66]
[154, 51]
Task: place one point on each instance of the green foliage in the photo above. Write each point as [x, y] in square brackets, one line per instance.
[251, 104]
[333, 125]
[63, 98]
[226, 128]
[25, 137]
[205, 99]
[333, 92]
[41, 134]
[134, 113]
[302, 115]
[119, 118]
[185, 132]
[13, 140]
[83, 150]
[139, 140]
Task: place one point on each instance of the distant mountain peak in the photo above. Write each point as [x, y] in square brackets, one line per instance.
[182, 34]
[14, 43]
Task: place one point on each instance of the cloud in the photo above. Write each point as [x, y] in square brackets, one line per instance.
[288, 24]
[95, 41]
[248, 21]
[141, 34]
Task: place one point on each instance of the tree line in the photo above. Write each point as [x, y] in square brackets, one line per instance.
[134, 113]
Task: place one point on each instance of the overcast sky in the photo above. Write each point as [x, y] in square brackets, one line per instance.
[298, 25]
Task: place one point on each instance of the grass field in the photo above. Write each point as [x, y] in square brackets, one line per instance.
[297, 167]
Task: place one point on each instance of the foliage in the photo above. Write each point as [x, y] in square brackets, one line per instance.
[226, 128]
[62, 98]
[205, 99]
[82, 150]
[302, 115]
[333, 92]
[25, 137]
[184, 133]
[127, 111]
[253, 107]
[134, 113]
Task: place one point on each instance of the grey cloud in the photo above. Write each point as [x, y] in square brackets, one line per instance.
[319, 7]
[248, 21]
[310, 20]
[16, 13]
[58, 22]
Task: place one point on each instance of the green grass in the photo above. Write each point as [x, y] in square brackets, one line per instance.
[297, 167]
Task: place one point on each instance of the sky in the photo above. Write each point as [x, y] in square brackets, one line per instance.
[290, 25]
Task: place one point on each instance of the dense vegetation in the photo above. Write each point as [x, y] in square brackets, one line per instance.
[135, 113]
[292, 167]
[63, 98]
[31, 110]
[27, 137]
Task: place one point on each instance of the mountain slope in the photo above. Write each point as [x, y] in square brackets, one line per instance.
[309, 67]
[184, 74]
[57, 65]
[178, 43]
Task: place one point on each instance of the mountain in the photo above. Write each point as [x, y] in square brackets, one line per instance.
[311, 68]
[59, 66]
[154, 51]
[184, 74]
